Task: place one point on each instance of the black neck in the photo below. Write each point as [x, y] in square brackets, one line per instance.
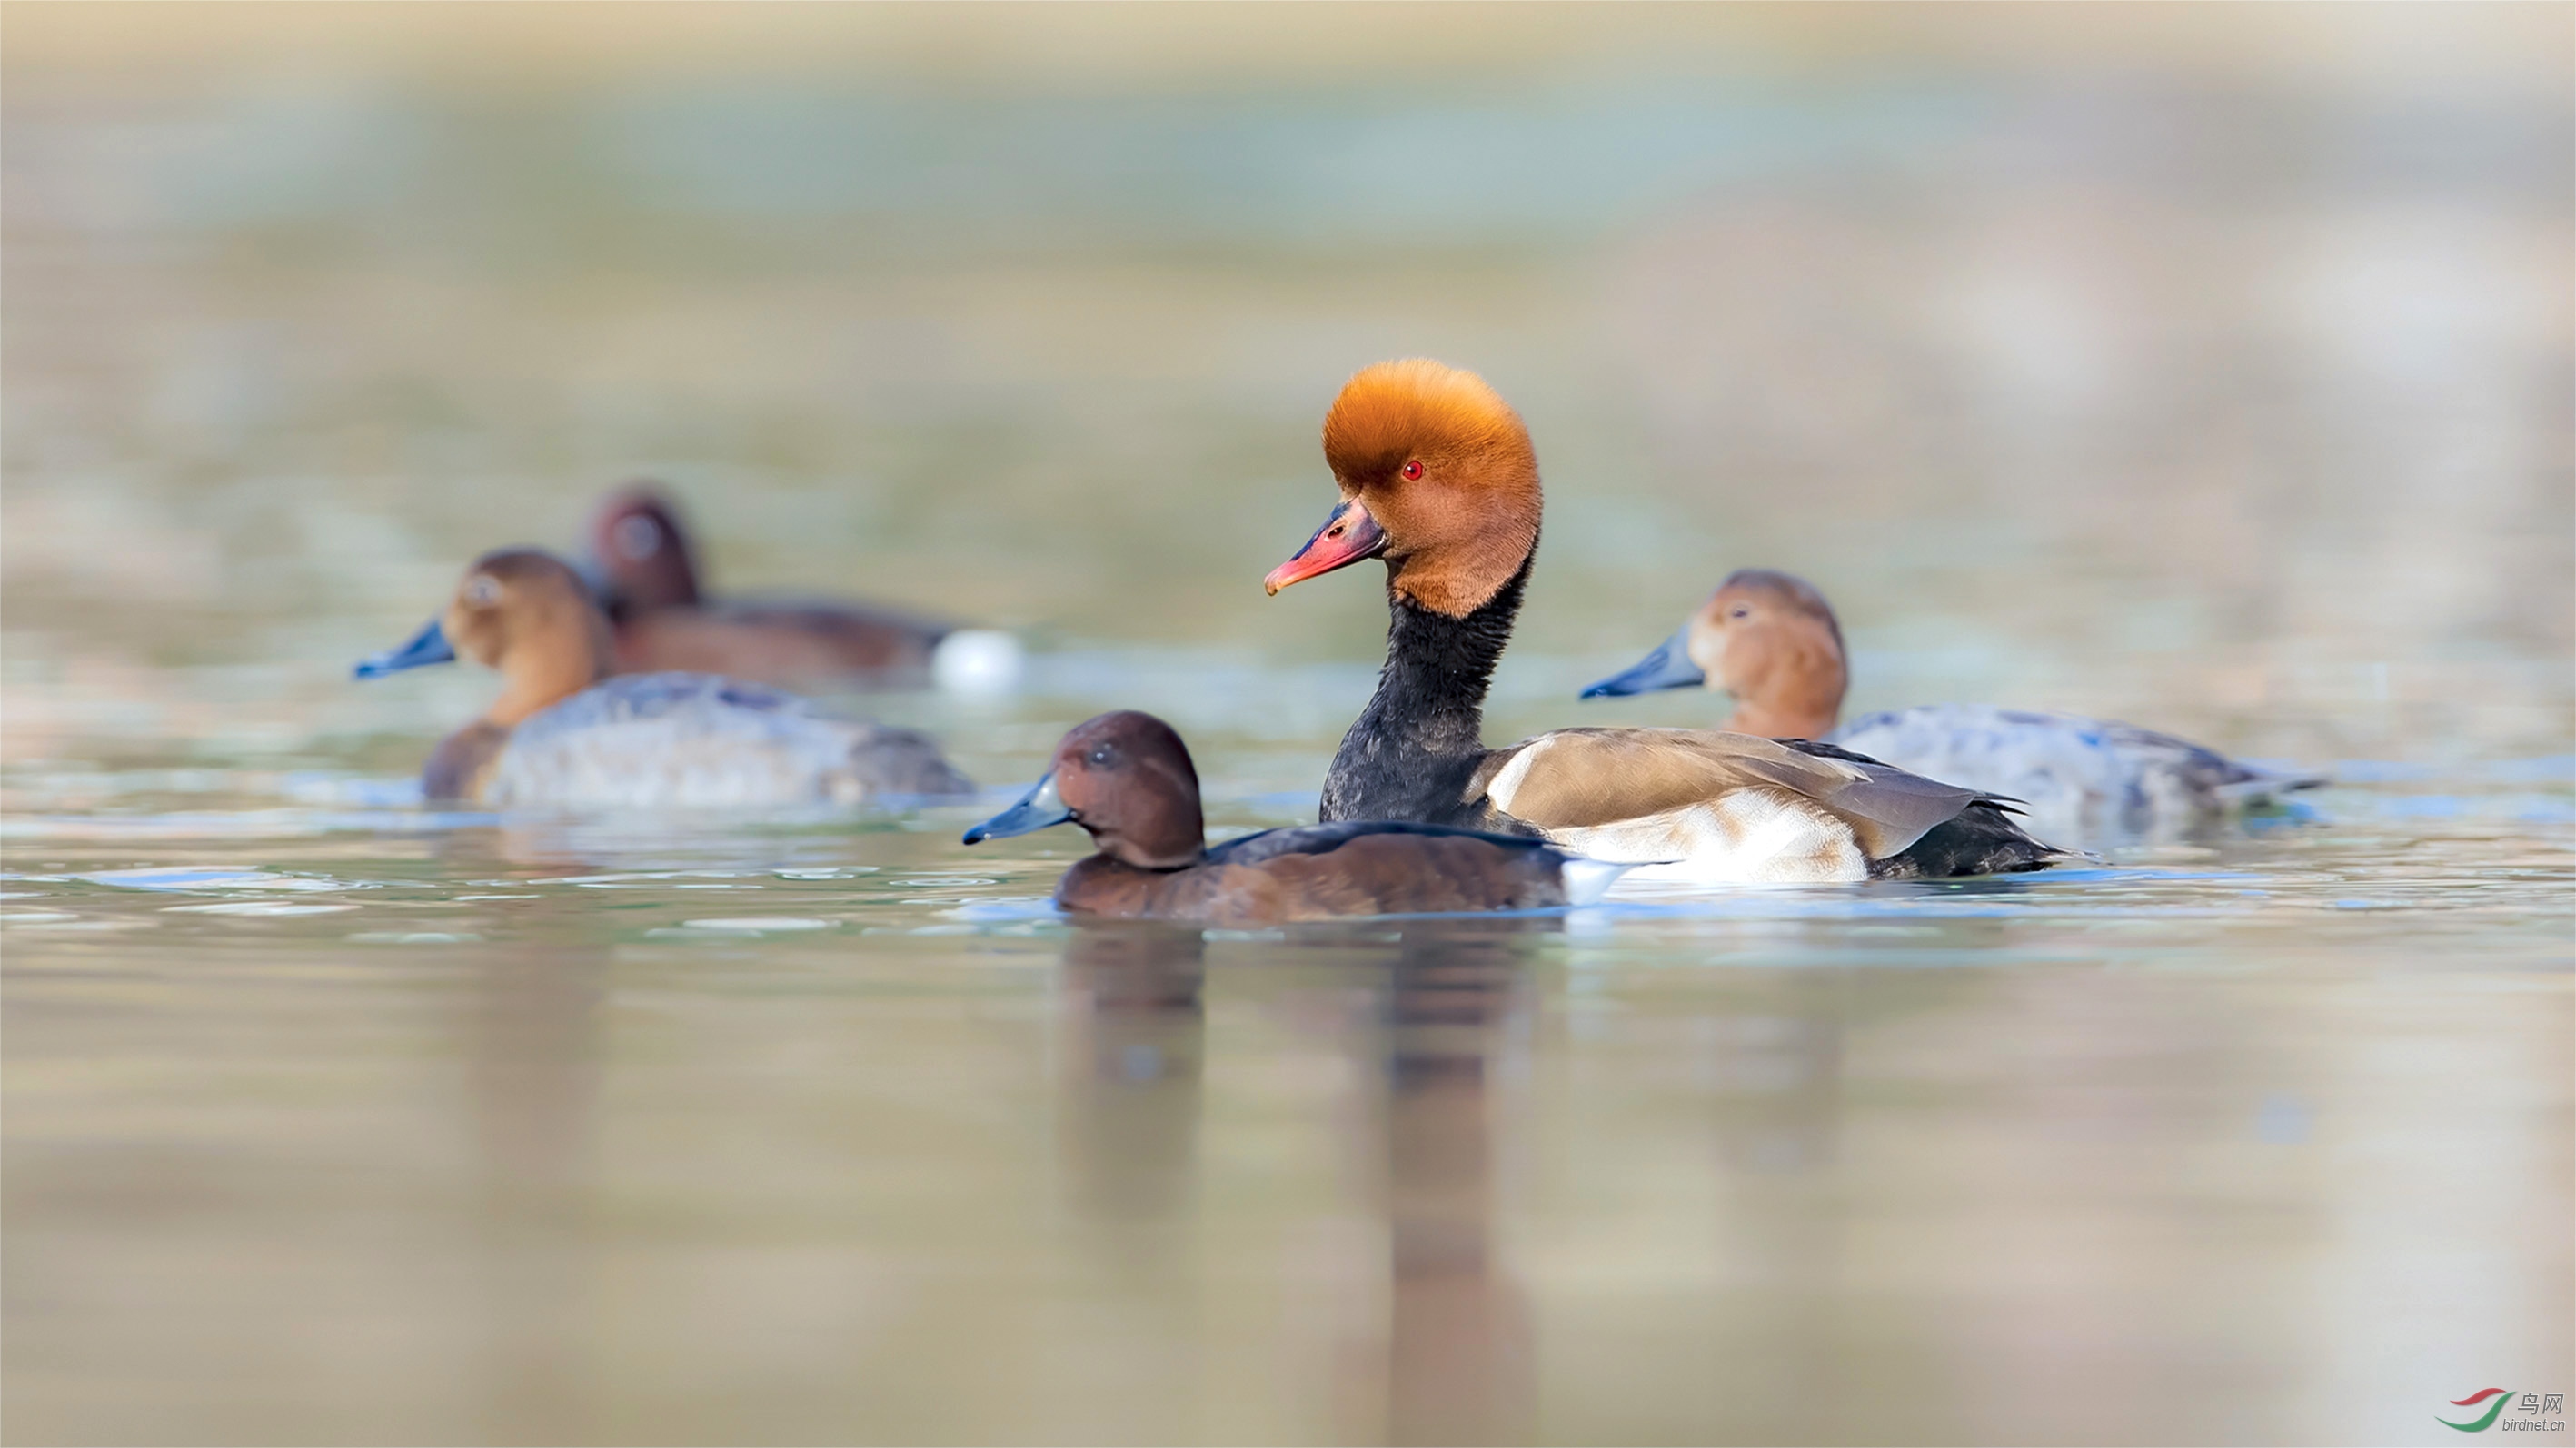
[1412, 750]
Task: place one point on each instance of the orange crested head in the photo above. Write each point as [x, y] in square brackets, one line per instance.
[1437, 476]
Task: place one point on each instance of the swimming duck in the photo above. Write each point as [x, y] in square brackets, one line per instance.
[563, 732]
[1127, 779]
[1772, 641]
[648, 576]
[1438, 479]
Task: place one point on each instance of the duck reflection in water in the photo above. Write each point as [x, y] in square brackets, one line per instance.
[1451, 1359]
[1133, 1046]
[1460, 1346]
[533, 1021]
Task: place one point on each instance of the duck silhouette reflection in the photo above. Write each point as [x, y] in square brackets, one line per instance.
[1133, 1042]
[533, 1018]
[1451, 1356]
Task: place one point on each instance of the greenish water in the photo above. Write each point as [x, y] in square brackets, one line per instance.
[331, 1118]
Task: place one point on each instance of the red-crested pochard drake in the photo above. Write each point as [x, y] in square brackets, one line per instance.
[1772, 641]
[1438, 478]
[648, 577]
[565, 733]
[1127, 779]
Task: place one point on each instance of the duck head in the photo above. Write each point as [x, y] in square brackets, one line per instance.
[641, 552]
[1126, 778]
[1769, 639]
[523, 612]
[1437, 477]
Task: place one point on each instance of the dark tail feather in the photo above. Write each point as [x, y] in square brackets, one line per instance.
[1979, 840]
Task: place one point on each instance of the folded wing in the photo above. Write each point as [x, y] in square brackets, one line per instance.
[1580, 778]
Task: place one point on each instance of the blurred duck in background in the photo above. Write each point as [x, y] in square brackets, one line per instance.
[565, 733]
[1128, 780]
[648, 578]
[1438, 478]
[1772, 641]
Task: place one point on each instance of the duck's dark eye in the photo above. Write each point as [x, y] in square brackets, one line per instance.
[1739, 611]
[1413, 468]
[1102, 757]
[483, 593]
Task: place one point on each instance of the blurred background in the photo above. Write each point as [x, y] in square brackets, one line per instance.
[2210, 366]
[2206, 365]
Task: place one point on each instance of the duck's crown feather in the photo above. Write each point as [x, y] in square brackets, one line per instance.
[1390, 409]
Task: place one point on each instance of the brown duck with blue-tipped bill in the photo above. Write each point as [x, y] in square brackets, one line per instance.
[1127, 779]
[564, 732]
[1771, 640]
[1438, 479]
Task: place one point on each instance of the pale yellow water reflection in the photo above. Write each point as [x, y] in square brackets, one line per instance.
[826, 1138]
[2206, 367]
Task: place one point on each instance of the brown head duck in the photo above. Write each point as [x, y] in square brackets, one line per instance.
[1771, 640]
[564, 732]
[1439, 480]
[1127, 779]
[648, 575]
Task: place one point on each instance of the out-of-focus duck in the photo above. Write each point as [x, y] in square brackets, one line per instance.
[1772, 641]
[1127, 779]
[565, 733]
[1438, 478]
[648, 577]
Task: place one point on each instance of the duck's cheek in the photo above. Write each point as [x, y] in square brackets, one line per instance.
[472, 639]
[1708, 650]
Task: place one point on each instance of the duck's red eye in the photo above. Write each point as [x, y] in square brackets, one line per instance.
[1413, 469]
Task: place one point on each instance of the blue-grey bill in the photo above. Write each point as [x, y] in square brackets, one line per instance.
[1037, 809]
[1668, 667]
[429, 646]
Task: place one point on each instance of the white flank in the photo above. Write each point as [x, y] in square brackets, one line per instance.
[1587, 880]
[1507, 781]
[1745, 837]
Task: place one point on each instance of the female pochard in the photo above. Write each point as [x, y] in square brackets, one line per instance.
[1127, 779]
[648, 575]
[563, 732]
[1438, 478]
[1772, 641]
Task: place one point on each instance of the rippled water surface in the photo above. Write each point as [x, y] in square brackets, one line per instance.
[2232, 408]
[342, 1121]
